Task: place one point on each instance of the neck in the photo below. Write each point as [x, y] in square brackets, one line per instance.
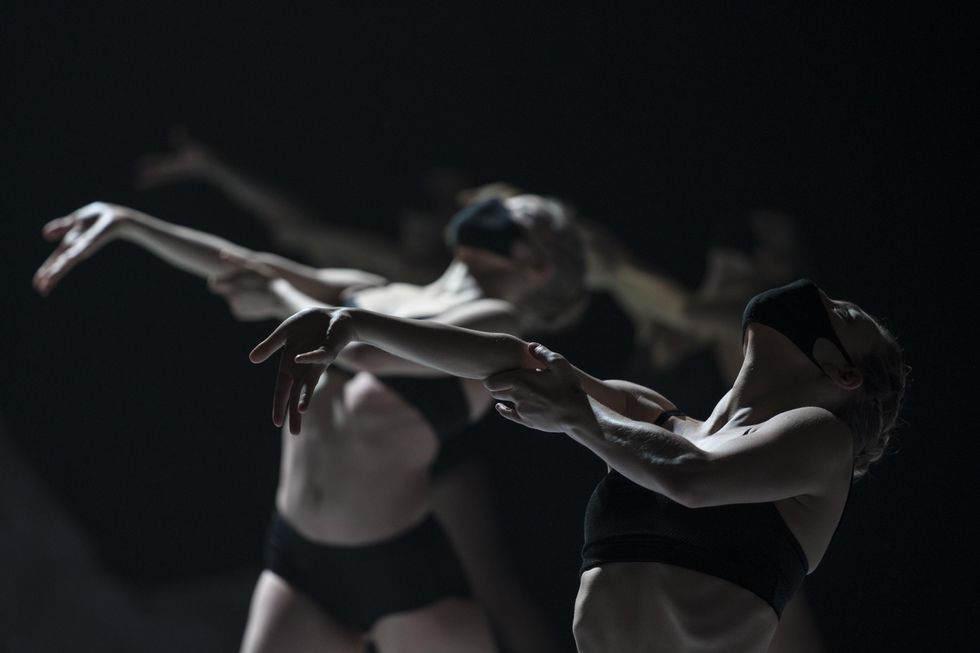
[773, 379]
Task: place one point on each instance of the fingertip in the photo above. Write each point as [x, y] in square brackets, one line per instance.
[308, 357]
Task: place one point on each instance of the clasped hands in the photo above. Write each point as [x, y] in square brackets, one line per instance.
[547, 398]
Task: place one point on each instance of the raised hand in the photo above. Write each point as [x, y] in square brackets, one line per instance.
[546, 399]
[247, 287]
[189, 160]
[79, 235]
[310, 341]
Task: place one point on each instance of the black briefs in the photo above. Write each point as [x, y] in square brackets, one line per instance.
[747, 544]
[357, 585]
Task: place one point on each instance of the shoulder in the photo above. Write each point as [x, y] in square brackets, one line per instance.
[815, 430]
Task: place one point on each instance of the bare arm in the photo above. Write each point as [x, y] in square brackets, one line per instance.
[293, 224]
[85, 231]
[790, 455]
[482, 316]
[315, 338]
[206, 255]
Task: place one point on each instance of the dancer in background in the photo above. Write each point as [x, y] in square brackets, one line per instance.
[703, 530]
[462, 498]
[417, 256]
[354, 552]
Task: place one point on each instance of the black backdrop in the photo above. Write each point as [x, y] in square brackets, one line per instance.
[147, 421]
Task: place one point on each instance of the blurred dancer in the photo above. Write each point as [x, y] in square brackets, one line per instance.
[418, 255]
[354, 552]
[462, 498]
[703, 530]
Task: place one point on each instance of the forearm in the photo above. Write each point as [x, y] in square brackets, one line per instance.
[647, 454]
[187, 249]
[451, 349]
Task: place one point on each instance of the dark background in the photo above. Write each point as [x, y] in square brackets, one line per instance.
[129, 388]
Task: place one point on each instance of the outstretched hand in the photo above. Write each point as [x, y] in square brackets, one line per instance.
[310, 341]
[79, 235]
[547, 399]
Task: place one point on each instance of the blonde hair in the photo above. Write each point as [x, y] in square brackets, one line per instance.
[873, 412]
[550, 225]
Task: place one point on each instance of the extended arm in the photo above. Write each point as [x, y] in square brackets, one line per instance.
[86, 230]
[291, 222]
[315, 338]
[791, 454]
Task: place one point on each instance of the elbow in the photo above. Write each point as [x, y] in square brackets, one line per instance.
[687, 481]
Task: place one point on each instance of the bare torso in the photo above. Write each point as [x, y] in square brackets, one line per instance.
[359, 470]
[653, 607]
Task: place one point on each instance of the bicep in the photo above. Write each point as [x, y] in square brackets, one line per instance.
[794, 454]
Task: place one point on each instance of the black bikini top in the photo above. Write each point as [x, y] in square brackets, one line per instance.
[440, 400]
[747, 544]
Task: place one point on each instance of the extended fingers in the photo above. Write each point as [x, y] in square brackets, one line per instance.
[307, 386]
[509, 413]
[320, 355]
[270, 345]
[280, 398]
[58, 227]
[295, 415]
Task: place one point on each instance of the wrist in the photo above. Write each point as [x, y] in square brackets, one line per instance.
[354, 318]
[581, 423]
[126, 224]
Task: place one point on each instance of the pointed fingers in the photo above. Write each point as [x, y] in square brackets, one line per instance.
[509, 413]
[295, 415]
[58, 227]
[280, 399]
[262, 351]
[318, 356]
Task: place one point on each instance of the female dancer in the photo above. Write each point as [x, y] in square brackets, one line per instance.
[354, 554]
[702, 530]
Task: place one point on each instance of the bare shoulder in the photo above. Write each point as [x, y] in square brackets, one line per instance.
[816, 429]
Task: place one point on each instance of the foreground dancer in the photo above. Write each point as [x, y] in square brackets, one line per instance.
[354, 553]
[702, 531]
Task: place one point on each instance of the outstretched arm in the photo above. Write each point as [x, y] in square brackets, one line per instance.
[85, 231]
[314, 338]
[291, 222]
[790, 455]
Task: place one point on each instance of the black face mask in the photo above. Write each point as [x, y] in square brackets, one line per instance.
[485, 225]
[797, 311]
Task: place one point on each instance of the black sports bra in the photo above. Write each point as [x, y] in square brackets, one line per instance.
[747, 544]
